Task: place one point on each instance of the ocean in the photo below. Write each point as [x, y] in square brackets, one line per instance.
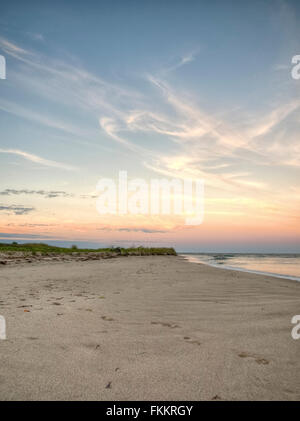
[279, 265]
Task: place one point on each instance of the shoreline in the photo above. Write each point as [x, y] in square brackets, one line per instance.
[146, 328]
[239, 269]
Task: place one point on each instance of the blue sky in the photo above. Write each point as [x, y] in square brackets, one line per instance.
[200, 89]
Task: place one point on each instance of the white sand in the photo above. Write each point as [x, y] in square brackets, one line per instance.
[146, 328]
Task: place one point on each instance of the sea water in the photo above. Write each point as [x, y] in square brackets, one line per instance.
[279, 265]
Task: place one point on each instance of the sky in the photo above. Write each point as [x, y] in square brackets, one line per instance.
[161, 89]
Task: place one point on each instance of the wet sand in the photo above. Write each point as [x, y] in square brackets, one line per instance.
[146, 328]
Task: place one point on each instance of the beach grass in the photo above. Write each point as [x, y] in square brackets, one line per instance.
[45, 249]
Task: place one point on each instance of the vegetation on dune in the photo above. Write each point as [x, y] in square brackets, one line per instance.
[145, 251]
[45, 249]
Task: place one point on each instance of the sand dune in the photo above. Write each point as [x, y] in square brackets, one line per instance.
[146, 328]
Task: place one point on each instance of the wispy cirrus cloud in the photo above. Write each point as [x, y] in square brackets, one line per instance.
[38, 159]
[233, 155]
[183, 60]
[36, 36]
[68, 83]
[231, 152]
[78, 91]
[266, 123]
[12, 49]
[45, 120]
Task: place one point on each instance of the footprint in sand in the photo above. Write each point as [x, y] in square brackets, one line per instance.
[256, 358]
[107, 319]
[191, 341]
[92, 346]
[262, 361]
[170, 325]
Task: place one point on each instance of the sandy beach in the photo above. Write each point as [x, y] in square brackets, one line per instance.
[146, 328]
